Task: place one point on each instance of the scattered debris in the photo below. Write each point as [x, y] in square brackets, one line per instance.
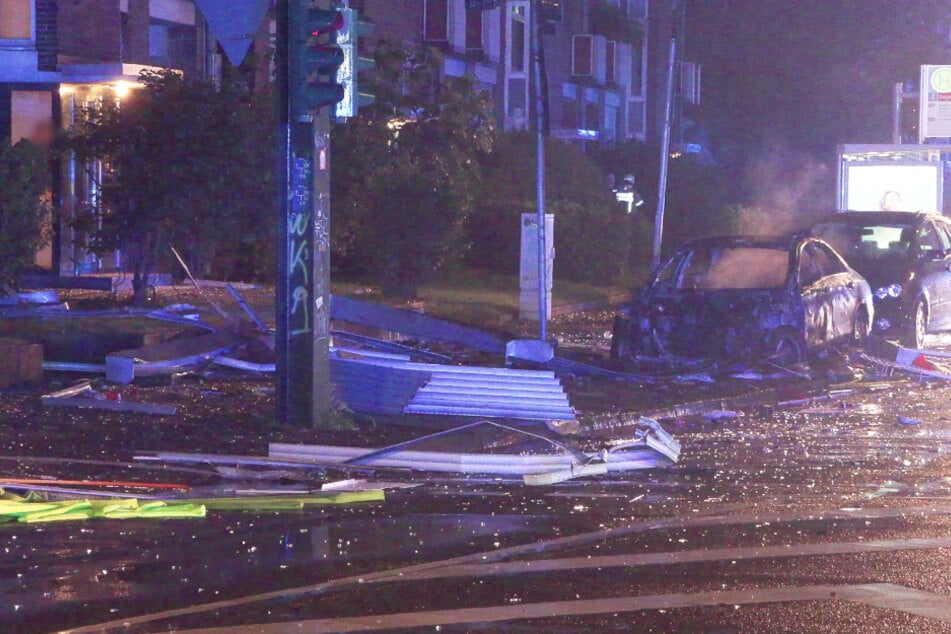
[168, 357]
[650, 448]
[20, 362]
[905, 420]
[411, 323]
[721, 415]
[32, 508]
[201, 293]
[83, 395]
[247, 309]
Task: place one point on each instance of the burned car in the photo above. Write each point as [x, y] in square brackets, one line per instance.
[746, 298]
[906, 258]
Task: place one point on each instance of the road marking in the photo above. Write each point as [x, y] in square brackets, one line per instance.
[674, 558]
[880, 595]
[556, 543]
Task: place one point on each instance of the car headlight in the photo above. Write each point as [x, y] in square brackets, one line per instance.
[892, 290]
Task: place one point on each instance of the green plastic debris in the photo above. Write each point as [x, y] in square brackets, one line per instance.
[30, 512]
[288, 502]
[32, 509]
[157, 509]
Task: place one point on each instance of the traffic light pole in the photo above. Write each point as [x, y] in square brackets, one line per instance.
[303, 280]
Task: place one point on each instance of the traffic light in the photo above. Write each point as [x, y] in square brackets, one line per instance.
[347, 38]
[314, 59]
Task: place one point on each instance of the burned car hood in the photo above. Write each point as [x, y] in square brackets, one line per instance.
[705, 322]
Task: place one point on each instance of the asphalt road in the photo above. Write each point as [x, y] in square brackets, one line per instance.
[828, 515]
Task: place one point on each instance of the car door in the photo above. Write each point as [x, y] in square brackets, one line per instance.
[815, 297]
[840, 290]
[661, 297]
[940, 319]
[929, 250]
[673, 309]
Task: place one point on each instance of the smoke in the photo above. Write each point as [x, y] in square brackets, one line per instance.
[788, 190]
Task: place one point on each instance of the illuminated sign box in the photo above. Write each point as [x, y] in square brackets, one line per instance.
[893, 186]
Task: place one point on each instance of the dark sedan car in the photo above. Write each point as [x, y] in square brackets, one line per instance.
[906, 258]
[746, 297]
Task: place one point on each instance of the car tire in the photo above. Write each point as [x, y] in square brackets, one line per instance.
[786, 346]
[917, 326]
[861, 328]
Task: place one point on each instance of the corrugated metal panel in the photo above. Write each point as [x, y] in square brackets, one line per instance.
[376, 385]
[374, 389]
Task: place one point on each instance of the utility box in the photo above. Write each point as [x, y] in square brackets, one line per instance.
[20, 362]
[528, 268]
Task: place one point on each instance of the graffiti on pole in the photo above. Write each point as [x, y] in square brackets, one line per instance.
[299, 236]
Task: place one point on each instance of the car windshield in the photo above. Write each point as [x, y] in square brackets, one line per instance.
[867, 242]
[735, 268]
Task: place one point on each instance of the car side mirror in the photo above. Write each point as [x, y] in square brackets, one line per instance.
[933, 255]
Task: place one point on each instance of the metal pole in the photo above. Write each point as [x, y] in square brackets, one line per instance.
[664, 156]
[897, 90]
[302, 302]
[540, 170]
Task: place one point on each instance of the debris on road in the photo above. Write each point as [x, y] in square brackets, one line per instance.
[168, 357]
[31, 509]
[412, 323]
[650, 448]
[83, 395]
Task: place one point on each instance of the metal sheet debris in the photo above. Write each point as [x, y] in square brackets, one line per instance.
[411, 323]
[84, 396]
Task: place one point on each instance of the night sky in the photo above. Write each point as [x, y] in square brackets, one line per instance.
[807, 75]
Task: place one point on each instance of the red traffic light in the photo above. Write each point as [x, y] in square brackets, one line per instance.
[321, 21]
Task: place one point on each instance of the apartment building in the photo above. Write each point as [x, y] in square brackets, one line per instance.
[57, 56]
[604, 59]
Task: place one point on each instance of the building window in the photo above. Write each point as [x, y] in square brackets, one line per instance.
[637, 9]
[636, 124]
[158, 41]
[474, 29]
[436, 21]
[637, 71]
[518, 96]
[570, 112]
[16, 20]
[518, 31]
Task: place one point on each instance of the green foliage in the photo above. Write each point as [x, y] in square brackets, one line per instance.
[24, 176]
[613, 23]
[592, 231]
[405, 172]
[183, 168]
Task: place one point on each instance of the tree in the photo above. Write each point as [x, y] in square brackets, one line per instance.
[406, 171]
[24, 176]
[592, 231]
[183, 168]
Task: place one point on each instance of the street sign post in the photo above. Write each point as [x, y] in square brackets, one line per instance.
[934, 110]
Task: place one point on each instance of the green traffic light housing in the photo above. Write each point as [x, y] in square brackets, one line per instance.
[347, 38]
[314, 60]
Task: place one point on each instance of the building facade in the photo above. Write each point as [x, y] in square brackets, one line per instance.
[58, 56]
[604, 59]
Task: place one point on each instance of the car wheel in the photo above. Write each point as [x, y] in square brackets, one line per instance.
[861, 328]
[786, 346]
[915, 333]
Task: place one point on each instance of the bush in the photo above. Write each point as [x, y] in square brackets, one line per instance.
[592, 231]
[24, 175]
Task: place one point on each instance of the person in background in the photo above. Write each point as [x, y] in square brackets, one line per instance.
[891, 201]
